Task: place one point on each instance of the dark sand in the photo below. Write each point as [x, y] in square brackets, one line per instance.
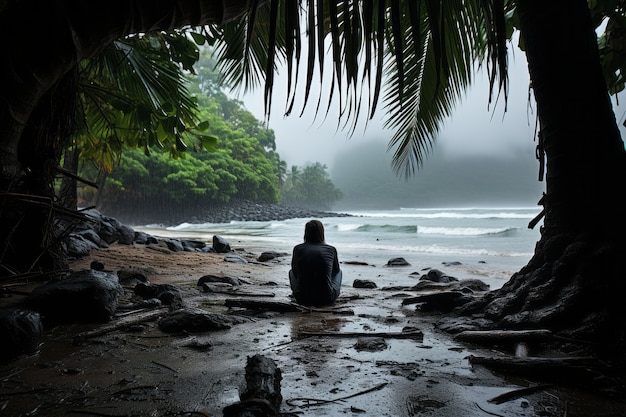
[142, 371]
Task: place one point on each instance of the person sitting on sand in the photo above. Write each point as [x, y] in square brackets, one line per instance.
[315, 276]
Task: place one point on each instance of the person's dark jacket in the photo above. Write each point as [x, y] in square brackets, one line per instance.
[315, 267]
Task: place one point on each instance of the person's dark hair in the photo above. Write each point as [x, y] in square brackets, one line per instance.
[314, 232]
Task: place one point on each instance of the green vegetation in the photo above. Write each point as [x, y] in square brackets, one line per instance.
[310, 187]
[240, 164]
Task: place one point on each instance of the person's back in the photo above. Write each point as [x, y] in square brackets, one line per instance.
[315, 276]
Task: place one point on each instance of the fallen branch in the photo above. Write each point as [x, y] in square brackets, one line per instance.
[416, 334]
[264, 305]
[120, 324]
[504, 336]
[282, 307]
[311, 402]
[234, 291]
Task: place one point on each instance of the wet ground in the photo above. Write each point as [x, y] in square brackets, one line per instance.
[330, 365]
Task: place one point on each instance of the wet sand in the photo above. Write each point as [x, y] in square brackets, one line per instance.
[139, 370]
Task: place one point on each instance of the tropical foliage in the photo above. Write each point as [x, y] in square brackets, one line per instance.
[310, 187]
[242, 163]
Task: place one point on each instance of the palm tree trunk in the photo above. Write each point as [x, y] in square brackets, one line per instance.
[574, 284]
[583, 147]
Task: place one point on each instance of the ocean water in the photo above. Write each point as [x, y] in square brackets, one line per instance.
[486, 243]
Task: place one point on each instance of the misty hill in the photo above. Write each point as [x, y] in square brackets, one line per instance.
[365, 177]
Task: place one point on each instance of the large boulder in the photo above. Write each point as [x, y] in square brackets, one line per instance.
[87, 295]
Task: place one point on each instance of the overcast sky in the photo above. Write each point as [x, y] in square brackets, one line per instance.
[474, 128]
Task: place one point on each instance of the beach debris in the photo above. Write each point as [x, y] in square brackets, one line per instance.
[409, 334]
[228, 289]
[120, 324]
[280, 307]
[195, 320]
[85, 296]
[262, 396]
[518, 393]
[496, 337]
[236, 259]
[364, 283]
[397, 262]
[439, 301]
[312, 402]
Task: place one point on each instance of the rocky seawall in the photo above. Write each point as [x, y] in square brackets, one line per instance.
[237, 211]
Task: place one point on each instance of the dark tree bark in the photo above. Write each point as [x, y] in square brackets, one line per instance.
[574, 284]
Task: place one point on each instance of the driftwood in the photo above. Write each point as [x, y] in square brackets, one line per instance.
[220, 289]
[518, 393]
[264, 305]
[415, 334]
[262, 397]
[495, 337]
[120, 324]
[549, 367]
[282, 307]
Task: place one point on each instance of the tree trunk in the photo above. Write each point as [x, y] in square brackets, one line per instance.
[574, 284]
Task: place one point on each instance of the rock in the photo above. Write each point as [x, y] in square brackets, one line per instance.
[20, 332]
[168, 294]
[474, 284]
[220, 244]
[130, 277]
[398, 262]
[77, 246]
[195, 320]
[96, 265]
[269, 255]
[234, 281]
[87, 295]
[193, 245]
[174, 245]
[436, 275]
[126, 234]
[364, 283]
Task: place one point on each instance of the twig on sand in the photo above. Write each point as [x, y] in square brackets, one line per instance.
[311, 402]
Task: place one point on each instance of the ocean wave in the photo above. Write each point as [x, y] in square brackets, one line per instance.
[369, 228]
[451, 214]
[465, 231]
[430, 249]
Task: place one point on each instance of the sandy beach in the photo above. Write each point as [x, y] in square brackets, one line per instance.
[329, 365]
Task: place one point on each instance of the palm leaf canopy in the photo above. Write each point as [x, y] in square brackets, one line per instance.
[421, 54]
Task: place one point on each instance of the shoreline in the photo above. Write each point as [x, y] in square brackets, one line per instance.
[139, 370]
[236, 211]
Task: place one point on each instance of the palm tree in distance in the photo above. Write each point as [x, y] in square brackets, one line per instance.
[424, 53]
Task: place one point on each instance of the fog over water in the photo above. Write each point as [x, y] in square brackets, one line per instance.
[482, 157]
